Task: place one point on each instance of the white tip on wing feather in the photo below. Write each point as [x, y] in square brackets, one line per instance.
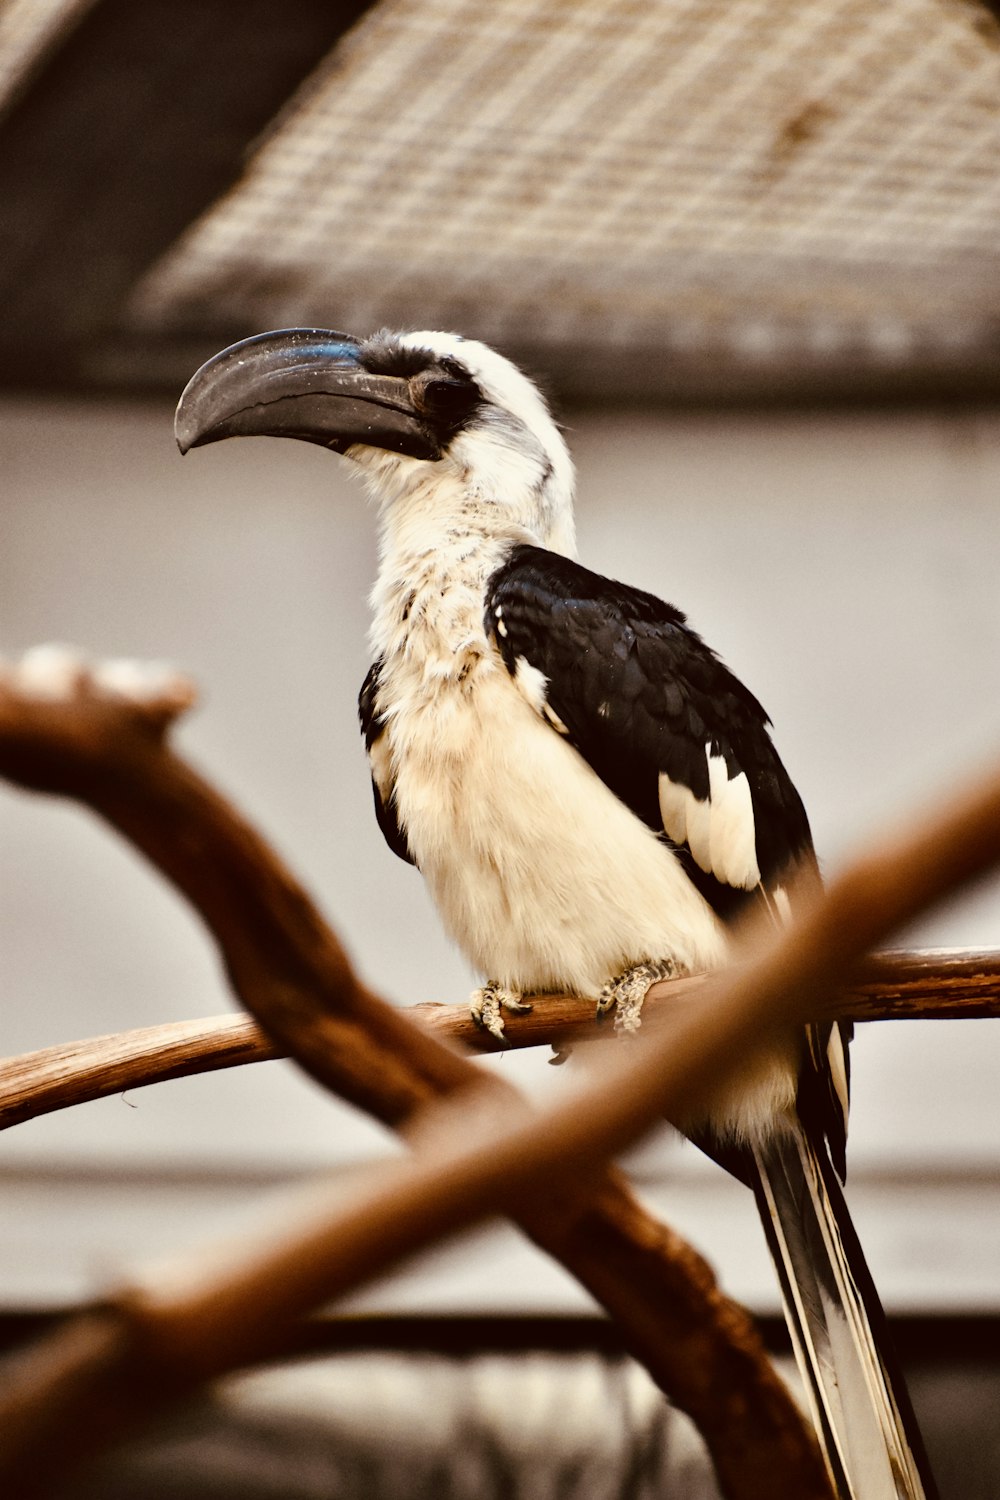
[732, 832]
[675, 800]
[719, 829]
[380, 761]
[699, 831]
[532, 683]
[838, 1070]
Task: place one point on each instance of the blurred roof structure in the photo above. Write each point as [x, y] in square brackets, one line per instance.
[685, 200]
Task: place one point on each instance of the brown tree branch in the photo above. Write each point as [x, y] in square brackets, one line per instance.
[163, 1337]
[928, 985]
[913, 985]
[36, 1083]
[99, 736]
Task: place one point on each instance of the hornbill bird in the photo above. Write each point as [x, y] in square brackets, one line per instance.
[591, 795]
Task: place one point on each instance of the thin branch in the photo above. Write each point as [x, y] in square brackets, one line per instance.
[99, 736]
[896, 986]
[36, 1083]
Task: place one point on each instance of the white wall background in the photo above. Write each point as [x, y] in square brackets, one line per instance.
[845, 566]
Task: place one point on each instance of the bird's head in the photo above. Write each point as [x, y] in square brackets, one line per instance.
[422, 414]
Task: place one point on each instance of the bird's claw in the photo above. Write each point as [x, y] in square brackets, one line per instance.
[488, 1005]
[626, 993]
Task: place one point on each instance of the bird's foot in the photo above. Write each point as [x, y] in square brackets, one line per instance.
[626, 993]
[489, 1004]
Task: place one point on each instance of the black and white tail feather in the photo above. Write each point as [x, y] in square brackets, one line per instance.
[855, 1391]
[587, 790]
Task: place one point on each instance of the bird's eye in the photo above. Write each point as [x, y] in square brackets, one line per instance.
[449, 399]
[448, 395]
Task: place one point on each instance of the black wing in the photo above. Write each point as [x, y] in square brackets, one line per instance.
[373, 729]
[659, 718]
[678, 739]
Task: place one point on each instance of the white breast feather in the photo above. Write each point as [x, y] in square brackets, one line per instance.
[544, 878]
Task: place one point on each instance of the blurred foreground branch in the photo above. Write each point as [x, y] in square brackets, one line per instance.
[100, 736]
[896, 986]
[91, 740]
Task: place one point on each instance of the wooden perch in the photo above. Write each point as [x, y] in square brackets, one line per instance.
[926, 985]
[99, 736]
[153, 1343]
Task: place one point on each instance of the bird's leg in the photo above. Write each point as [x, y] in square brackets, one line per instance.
[489, 1003]
[626, 993]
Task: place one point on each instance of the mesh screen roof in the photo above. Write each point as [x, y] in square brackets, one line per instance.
[743, 180]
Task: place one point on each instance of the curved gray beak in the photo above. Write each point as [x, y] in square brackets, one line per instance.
[305, 383]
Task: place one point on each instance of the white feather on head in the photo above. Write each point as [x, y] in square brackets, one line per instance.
[510, 454]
